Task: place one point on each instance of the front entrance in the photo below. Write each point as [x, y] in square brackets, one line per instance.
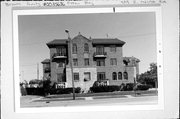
[101, 76]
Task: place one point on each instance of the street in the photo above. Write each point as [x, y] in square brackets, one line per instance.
[37, 101]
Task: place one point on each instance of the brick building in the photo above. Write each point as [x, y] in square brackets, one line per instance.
[94, 60]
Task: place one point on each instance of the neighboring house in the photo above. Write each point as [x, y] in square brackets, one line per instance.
[94, 60]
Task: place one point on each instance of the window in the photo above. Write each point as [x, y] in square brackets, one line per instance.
[61, 51]
[47, 68]
[74, 48]
[60, 64]
[86, 61]
[101, 76]
[47, 65]
[113, 61]
[119, 75]
[113, 48]
[125, 75]
[76, 76]
[60, 77]
[100, 62]
[75, 62]
[87, 76]
[114, 76]
[86, 48]
[100, 50]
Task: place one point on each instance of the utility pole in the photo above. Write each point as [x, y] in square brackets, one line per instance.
[22, 76]
[70, 62]
[38, 71]
[135, 79]
[107, 35]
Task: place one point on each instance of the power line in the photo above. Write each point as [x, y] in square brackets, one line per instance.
[37, 70]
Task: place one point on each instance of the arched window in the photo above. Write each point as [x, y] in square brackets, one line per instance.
[125, 75]
[74, 48]
[119, 75]
[114, 76]
[86, 47]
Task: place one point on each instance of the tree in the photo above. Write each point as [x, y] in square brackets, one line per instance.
[47, 86]
[36, 81]
[150, 76]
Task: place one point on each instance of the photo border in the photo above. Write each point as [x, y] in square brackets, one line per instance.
[156, 10]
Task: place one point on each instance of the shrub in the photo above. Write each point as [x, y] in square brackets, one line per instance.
[23, 91]
[35, 91]
[111, 88]
[143, 87]
[127, 87]
[47, 86]
[64, 90]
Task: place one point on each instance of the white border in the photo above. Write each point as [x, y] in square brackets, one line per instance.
[157, 11]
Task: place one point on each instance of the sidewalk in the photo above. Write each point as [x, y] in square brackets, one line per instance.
[150, 92]
[90, 101]
[69, 97]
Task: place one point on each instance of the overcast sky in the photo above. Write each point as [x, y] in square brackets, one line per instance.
[136, 29]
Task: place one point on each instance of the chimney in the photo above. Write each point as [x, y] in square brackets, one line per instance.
[79, 33]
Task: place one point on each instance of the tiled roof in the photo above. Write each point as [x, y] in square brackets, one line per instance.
[131, 58]
[79, 36]
[45, 61]
[95, 41]
[57, 42]
[106, 41]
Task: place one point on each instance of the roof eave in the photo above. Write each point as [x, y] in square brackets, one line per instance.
[46, 61]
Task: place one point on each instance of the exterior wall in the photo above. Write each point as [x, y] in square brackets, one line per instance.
[109, 69]
[85, 85]
[46, 75]
[92, 68]
[131, 74]
[137, 68]
[54, 68]
[80, 41]
[53, 65]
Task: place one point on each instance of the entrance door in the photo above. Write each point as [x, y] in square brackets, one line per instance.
[101, 76]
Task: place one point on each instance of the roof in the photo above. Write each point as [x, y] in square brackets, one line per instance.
[107, 41]
[45, 61]
[79, 36]
[57, 42]
[95, 41]
[131, 58]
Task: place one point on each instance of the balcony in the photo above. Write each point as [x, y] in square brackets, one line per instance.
[60, 85]
[59, 56]
[100, 55]
[47, 70]
[102, 83]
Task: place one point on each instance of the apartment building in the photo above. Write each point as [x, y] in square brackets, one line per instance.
[97, 60]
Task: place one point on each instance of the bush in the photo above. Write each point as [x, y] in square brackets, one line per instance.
[111, 88]
[23, 91]
[143, 87]
[43, 91]
[127, 87]
[65, 90]
[35, 91]
[47, 86]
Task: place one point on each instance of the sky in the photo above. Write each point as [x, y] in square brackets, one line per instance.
[136, 29]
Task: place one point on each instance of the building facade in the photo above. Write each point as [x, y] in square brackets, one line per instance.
[97, 60]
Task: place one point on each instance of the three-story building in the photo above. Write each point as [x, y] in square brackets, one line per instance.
[94, 60]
